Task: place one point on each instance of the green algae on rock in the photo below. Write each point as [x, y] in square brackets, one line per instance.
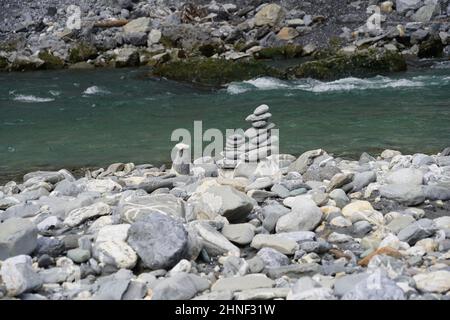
[50, 61]
[359, 64]
[82, 52]
[214, 72]
[283, 52]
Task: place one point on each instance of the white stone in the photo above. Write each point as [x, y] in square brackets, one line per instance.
[78, 216]
[116, 232]
[437, 281]
[116, 253]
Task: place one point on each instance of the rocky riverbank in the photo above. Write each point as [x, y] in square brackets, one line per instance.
[316, 227]
[351, 37]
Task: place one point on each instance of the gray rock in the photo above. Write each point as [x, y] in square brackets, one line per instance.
[213, 241]
[272, 257]
[319, 246]
[78, 216]
[446, 151]
[52, 177]
[271, 214]
[280, 190]
[22, 210]
[376, 286]
[347, 283]
[419, 35]
[401, 222]
[362, 180]
[114, 288]
[17, 236]
[340, 197]
[131, 207]
[241, 233]
[136, 290]
[304, 161]
[294, 270]
[270, 15]
[418, 230]
[181, 286]
[305, 216]
[54, 275]
[405, 5]
[138, 25]
[228, 202]
[443, 161]
[234, 266]
[437, 192]
[425, 13]
[405, 176]
[404, 193]
[159, 240]
[51, 246]
[255, 264]
[421, 159]
[262, 294]
[247, 282]
[215, 295]
[79, 255]
[19, 276]
[277, 242]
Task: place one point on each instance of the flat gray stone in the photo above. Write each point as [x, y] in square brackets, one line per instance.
[17, 236]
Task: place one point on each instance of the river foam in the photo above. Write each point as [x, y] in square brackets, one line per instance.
[344, 84]
[29, 98]
[95, 90]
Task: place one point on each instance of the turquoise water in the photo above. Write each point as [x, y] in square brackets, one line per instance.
[70, 119]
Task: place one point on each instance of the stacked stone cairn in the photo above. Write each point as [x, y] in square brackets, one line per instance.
[234, 149]
[261, 141]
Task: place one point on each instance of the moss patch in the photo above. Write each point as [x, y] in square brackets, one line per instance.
[50, 61]
[284, 52]
[213, 72]
[360, 64]
[82, 52]
[3, 63]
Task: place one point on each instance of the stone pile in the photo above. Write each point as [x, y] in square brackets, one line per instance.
[261, 140]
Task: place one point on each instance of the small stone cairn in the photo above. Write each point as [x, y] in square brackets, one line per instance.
[261, 142]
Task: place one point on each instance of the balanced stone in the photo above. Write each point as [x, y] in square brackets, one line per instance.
[261, 110]
[261, 143]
